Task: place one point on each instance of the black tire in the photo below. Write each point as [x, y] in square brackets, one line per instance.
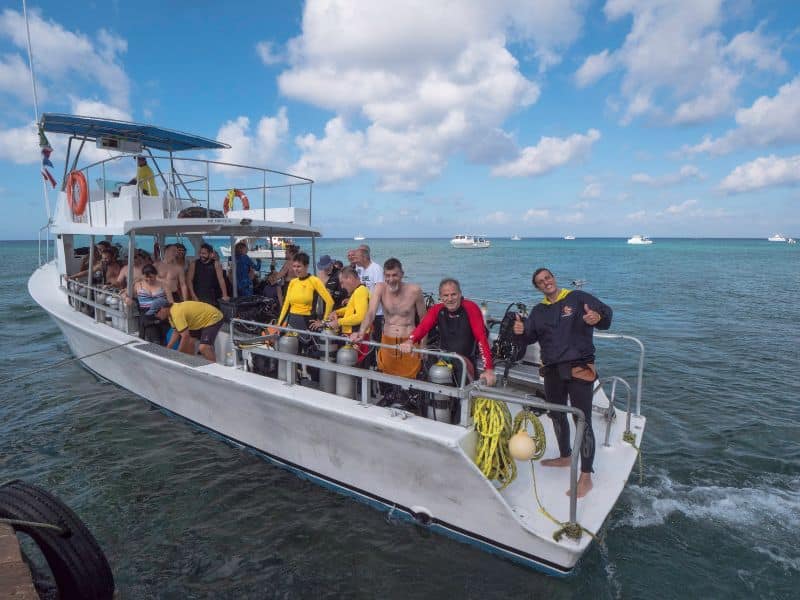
[79, 567]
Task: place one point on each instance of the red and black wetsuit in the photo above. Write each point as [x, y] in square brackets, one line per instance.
[461, 331]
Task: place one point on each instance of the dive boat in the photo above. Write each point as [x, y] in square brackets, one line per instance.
[515, 238]
[791, 241]
[569, 237]
[359, 238]
[263, 249]
[640, 240]
[777, 237]
[470, 241]
[327, 431]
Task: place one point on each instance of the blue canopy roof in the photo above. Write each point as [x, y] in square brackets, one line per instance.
[150, 136]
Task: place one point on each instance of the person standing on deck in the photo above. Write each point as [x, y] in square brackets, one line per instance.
[144, 177]
[205, 280]
[563, 323]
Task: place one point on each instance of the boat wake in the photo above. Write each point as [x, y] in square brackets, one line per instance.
[766, 518]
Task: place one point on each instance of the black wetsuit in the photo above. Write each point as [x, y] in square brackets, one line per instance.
[566, 342]
[205, 283]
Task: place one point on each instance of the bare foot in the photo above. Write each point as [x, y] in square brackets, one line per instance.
[584, 484]
[562, 461]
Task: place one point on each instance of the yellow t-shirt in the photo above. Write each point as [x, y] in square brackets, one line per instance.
[146, 180]
[355, 310]
[300, 295]
[193, 315]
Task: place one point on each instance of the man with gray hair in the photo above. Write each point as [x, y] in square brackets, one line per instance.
[371, 275]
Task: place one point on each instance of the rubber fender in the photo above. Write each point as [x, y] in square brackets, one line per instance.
[79, 567]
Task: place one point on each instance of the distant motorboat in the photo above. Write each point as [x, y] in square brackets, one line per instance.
[569, 237]
[515, 238]
[640, 240]
[274, 248]
[358, 237]
[791, 241]
[470, 241]
[777, 237]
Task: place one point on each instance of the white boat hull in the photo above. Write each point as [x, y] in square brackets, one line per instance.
[418, 468]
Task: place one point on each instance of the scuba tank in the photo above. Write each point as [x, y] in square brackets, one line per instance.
[290, 345]
[440, 406]
[346, 384]
[327, 377]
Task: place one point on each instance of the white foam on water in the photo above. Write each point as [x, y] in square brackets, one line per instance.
[756, 514]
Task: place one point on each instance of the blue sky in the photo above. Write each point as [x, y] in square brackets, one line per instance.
[536, 117]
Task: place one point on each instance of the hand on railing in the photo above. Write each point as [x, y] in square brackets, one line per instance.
[406, 347]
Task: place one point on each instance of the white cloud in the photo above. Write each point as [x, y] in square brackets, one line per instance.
[20, 145]
[639, 215]
[15, 77]
[536, 214]
[268, 53]
[428, 79]
[576, 217]
[252, 147]
[766, 171]
[677, 64]
[550, 153]
[676, 209]
[592, 190]
[68, 60]
[752, 47]
[497, 218]
[594, 67]
[95, 108]
[685, 173]
[769, 121]
[335, 156]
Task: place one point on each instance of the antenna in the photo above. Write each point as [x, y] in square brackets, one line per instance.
[35, 96]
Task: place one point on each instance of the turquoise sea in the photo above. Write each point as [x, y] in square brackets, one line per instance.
[181, 514]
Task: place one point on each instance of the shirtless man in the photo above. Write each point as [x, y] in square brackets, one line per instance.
[171, 274]
[401, 302]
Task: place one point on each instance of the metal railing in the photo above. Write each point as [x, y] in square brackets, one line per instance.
[46, 229]
[191, 182]
[640, 370]
[83, 295]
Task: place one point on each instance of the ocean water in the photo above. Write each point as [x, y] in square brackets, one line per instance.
[182, 514]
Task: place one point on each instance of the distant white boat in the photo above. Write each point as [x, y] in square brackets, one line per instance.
[640, 240]
[569, 237]
[260, 248]
[515, 238]
[470, 241]
[791, 241]
[358, 237]
[777, 237]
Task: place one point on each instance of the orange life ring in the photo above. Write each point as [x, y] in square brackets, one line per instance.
[228, 204]
[77, 206]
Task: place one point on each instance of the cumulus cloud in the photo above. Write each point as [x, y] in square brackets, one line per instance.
[268, 53]
[766, 171]
[15, 77]
[639, 215]
[550, 153]
[685, 173]
[676, 209]
[593, 68]
[252, 147]
[412, 83]
[676, 63]
[536, 214]
[592, 190]
[67, 59]
[769, 121]
[20, 145]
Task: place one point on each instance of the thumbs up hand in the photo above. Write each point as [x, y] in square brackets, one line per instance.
[590, 316]
[519, 326]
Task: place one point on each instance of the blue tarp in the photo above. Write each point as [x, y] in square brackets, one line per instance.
[150, 136]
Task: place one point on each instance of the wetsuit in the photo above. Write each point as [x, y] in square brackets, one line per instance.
[351, 315]
[568, 350]
[461, 331]
[205, 283]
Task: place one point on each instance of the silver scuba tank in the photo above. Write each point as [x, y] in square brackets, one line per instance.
[290, 345]
[327, 377]
[440, 406]
[346, 384]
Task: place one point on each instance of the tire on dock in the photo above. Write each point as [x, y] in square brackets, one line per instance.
[79, 567]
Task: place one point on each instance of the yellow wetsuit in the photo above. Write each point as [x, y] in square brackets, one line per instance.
[146, 180]
[300, 296]
[193, 315]
[355, 310]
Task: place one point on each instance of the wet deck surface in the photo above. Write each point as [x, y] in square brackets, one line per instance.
[15, 577]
